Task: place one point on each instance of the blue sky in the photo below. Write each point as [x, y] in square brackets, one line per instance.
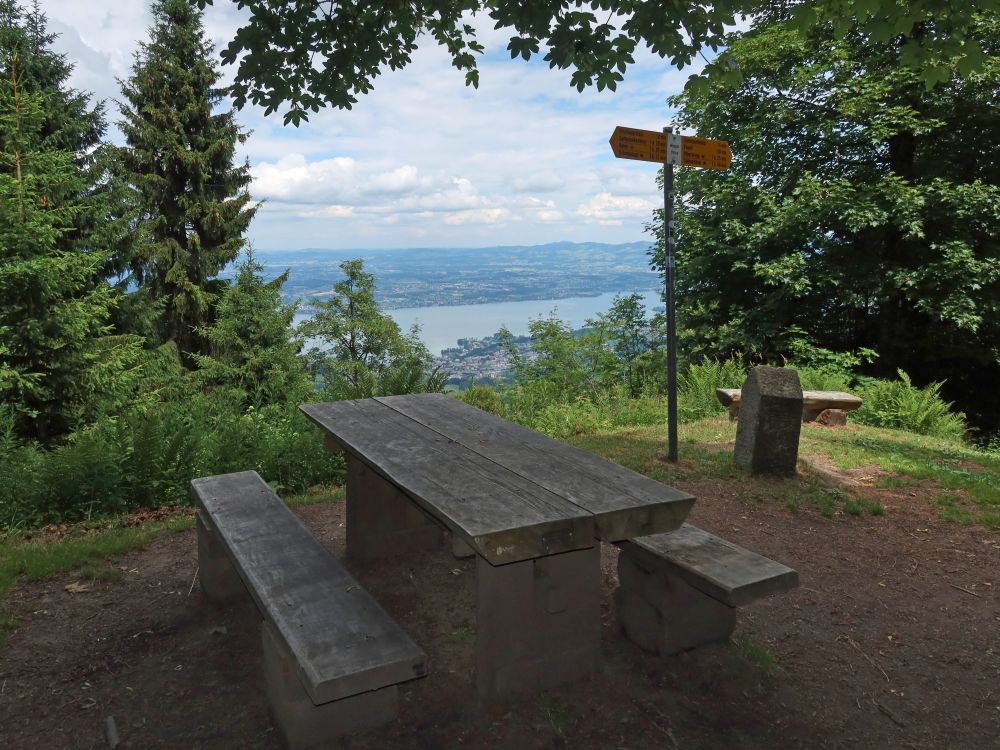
[422, 160]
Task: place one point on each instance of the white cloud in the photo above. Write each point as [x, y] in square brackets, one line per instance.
[524, 159]
[612, 210]
[541, 182]
[478, 216]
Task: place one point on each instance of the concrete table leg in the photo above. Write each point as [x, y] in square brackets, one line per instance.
[218, 578]
[381, 520]
[302, 723]
[538, 622]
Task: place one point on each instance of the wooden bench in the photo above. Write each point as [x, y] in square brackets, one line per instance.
[680, 589]
[332, 656]
[814, 403]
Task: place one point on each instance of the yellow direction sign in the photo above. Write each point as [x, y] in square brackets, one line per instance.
[649, 145]
[701, 152]
[644, 145]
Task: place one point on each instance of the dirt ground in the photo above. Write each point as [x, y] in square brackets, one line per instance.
[892, 641]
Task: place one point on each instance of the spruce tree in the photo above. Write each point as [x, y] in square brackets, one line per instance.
[53, 305]
[252, 342]
[179, 157]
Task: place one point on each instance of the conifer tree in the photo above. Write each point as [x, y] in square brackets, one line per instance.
[253, 349]
[179, 157]
[362, 350]
[53, 304]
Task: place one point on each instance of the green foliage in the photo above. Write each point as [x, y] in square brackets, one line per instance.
[859, 213]
[148, 458]
[54, 306]
[191, 201]
[252, 347]
[901, 405]
[308, 55]
[362, 351]
[696, 397]
[483, 397]
[637, 343]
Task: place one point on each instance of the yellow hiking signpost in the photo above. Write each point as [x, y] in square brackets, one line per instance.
[685, 151]
[669, 149]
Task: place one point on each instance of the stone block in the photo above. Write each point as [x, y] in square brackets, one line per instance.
[662, 613]
[538, 622]
[218, 578]
[767, 435]
[831, 417]
[301, 723]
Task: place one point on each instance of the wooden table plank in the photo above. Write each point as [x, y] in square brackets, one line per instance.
[344, 642]
[624, 503]
[501, 515]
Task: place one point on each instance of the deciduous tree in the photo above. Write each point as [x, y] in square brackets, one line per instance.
[862, 209]
[312, 53]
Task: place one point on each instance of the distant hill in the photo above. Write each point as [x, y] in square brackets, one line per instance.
[424, 277]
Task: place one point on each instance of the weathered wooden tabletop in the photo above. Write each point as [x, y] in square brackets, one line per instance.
[510, 493]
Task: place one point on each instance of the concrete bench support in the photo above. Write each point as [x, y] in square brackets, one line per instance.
[662, 613]
[538, 622]
[304, 724]
[680, 589]
[382, 521]
[216, 575]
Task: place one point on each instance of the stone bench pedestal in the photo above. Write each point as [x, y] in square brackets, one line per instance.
[303, 724]
[661, 612]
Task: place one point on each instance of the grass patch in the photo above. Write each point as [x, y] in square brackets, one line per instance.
[98, 570]
[556, 711]
[463, 634]
[317, 495]
[753, 656]
[36, 560]
[907, 459]
[911, 460]
[88, 550]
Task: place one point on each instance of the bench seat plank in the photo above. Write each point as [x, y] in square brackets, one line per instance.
[719, 568]
[344, 643]
[818, 400]
[503, 516]
[811, 400]
[624, 503]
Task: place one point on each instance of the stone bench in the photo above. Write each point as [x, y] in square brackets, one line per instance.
[681, 589]
[332, 656]
[828, 407]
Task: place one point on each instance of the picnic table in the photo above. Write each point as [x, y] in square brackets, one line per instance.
[532, 509]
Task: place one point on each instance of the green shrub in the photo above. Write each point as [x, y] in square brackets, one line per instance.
[483, 397]
[147, 458]
[901, 405]
[696, 386]
[822, 379]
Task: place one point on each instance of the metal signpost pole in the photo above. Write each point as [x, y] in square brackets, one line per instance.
[667, 149]
[669, 264]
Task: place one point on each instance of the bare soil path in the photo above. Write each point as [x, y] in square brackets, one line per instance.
[893, 641]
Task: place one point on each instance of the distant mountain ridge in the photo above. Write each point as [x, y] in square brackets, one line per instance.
[425, 277]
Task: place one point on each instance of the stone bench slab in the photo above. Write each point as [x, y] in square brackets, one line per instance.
[725, 571]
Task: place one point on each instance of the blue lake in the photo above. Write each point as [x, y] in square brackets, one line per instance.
[442, 327]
